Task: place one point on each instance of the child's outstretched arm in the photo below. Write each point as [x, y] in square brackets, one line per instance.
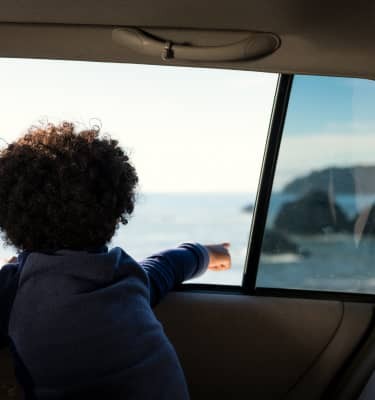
[168, 268]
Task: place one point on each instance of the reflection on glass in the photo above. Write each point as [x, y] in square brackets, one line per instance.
[320, 230]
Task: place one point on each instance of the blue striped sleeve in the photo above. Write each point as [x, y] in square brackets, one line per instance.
[168, 268]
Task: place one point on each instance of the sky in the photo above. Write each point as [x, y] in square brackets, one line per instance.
[194, 130]
[338, 105]
[330, 122]
[187, 130]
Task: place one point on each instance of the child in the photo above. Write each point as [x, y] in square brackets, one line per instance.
[78, 316]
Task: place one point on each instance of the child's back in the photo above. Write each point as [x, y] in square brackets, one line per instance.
[81, 324]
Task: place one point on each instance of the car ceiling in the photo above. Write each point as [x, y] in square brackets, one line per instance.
[317, 37]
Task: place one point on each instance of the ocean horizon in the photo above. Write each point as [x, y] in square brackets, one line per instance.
[164, 220]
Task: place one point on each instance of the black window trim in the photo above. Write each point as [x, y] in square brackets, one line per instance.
[267, 174]
[325, 295]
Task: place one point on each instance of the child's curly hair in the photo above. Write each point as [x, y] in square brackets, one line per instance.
[62, 189]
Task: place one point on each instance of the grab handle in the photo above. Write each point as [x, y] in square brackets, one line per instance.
[254, 46]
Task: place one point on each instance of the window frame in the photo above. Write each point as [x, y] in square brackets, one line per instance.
[270, 158]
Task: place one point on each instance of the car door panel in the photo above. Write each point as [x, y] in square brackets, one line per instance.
[234, 346]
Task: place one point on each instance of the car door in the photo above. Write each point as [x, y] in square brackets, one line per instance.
[291, 320]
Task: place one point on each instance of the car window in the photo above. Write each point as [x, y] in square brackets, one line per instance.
[196, 138]
[320, 230]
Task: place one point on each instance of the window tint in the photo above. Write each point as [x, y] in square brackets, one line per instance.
[320, 231]
[196, 138]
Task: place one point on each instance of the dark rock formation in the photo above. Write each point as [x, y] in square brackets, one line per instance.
[350, 180]
[248, 208]
[276, 243]
[313, 213]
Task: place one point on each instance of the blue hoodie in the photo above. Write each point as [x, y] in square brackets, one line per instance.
[81, 324]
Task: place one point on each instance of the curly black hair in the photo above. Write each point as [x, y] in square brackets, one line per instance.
[62, 189]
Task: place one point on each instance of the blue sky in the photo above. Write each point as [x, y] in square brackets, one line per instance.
[321, 103]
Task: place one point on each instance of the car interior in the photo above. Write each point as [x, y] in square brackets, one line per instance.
[252, 340]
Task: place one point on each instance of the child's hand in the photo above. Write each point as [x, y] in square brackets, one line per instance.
[219, 257]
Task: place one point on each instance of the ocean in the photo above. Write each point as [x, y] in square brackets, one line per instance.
[161, 221]
[336, 261]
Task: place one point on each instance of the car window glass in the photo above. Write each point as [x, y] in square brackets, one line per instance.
[320, 231]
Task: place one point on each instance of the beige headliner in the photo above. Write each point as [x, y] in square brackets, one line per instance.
[330, 37]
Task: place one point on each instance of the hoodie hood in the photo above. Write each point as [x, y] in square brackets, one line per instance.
[86, 268]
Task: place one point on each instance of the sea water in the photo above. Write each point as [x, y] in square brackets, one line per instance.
[334, 261]
[163, 220]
